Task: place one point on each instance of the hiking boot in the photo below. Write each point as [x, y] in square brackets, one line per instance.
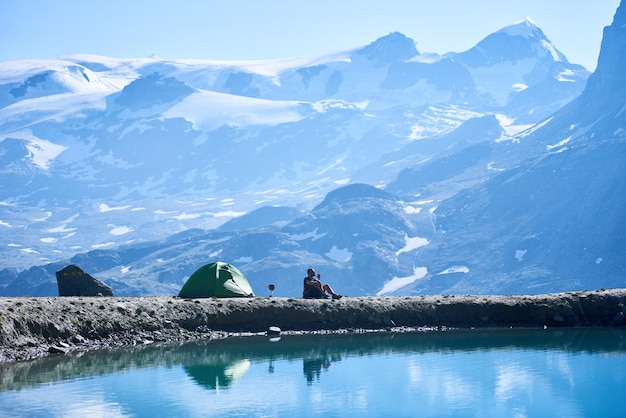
[336, 296]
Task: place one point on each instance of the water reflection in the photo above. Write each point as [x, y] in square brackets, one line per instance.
[224, 361]
[312, 366]
[218, 376]
[317, 352]
[571, 372]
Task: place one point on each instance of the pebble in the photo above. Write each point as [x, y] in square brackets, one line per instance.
[273, 330]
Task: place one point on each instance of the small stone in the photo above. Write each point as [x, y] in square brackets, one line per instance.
[54, 349]
[273, 330]
[388, 321]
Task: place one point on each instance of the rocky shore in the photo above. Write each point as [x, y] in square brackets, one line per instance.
[36, 327]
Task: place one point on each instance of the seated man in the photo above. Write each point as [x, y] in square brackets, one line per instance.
[313, 288]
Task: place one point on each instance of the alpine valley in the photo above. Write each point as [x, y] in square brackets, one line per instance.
[391, 171]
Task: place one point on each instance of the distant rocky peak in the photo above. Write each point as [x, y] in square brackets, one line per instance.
[353, 192]
[526, 28]
[390, 48]
[513, 43]
[609, 79]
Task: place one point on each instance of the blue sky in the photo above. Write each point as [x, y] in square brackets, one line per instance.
[269, 29]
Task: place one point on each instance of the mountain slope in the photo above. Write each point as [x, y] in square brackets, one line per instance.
[553, 222]
[133, 168]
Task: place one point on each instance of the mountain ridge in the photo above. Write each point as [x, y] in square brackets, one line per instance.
[163, 150]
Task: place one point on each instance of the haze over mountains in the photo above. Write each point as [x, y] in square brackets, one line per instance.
[390, 170]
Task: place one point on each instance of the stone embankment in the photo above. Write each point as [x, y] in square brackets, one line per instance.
[35, 327]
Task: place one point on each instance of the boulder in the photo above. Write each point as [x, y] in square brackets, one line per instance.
[73, 281]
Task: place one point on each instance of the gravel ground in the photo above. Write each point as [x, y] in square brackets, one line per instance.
[36, 327]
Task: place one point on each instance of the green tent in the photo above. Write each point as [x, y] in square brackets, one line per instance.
[216, 280]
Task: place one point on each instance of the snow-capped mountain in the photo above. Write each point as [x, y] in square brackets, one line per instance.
[133, 168]
[519, 67]
[551, 222]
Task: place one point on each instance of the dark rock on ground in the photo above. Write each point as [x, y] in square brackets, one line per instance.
[73, 281]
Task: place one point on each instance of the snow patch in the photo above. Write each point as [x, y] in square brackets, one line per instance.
[555, 54]
[455, 269]
[103, 207]
[215, 254]
[61, 228]
[120, 230]
[57, 107]
[422, 202]
[185, 215]
[519, 254]
[42, 151]
[229, 214]
[417, 132]
[399, 282]
[208, 110]
[508, 124]
[313, 235]
[45, 218]
[323, 105]
[566, 76]
[412, 243]
[412, 210]
[491, 167]
[558, 144]
[103, 245]
[341, 255]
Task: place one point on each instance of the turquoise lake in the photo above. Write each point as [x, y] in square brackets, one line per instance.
[472, 373]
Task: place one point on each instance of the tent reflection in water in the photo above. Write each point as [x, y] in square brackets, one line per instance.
[217, 279]
[218, 376]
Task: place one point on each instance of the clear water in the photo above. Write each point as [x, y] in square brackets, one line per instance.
[512, 373]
